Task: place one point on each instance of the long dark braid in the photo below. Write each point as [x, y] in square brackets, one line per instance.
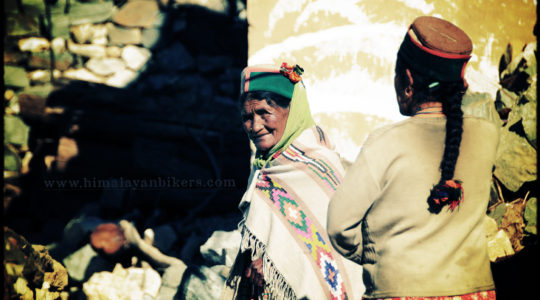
[448, 191]
[454, 130]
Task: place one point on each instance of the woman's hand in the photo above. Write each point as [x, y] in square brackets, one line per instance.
[254, 272]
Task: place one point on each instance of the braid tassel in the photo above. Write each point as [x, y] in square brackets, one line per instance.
[448, 193]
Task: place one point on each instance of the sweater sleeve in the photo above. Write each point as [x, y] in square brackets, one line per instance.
[348, 206]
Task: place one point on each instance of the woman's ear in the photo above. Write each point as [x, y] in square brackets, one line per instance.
[408, 91]
[409, 77]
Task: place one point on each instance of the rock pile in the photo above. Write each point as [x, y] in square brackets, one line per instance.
[142, 269]
[132, 283]
[30, 272]
[516, 103]
[512, 216]
[515, 172]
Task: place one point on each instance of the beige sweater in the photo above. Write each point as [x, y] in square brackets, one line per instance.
[379, 215]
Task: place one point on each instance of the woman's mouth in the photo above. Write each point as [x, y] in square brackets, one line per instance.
[259, 136]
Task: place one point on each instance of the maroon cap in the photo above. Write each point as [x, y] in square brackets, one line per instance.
[441, 35]
[437, 48]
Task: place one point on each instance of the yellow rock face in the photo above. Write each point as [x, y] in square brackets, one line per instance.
[499, 246]
[491, 227]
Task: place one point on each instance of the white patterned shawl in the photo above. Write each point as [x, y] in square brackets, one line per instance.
[285, 209]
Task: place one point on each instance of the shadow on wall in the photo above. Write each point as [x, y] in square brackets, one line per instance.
[140, 126]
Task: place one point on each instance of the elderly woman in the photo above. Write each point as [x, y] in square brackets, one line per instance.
[416, 223]
[285, 251]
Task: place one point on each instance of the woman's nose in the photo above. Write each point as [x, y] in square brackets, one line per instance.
[258, 124]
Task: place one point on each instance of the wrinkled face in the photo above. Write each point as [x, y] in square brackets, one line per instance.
[263, 122]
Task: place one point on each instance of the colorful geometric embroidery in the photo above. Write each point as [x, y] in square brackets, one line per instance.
[486, 295]
[307, 232]
[319, 167]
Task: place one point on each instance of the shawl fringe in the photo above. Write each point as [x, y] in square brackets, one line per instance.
[275, 283]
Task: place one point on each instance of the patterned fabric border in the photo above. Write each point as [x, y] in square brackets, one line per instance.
[319, 167]
[307, 232]
[485, 295]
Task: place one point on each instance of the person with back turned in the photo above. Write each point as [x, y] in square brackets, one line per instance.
[411, 208]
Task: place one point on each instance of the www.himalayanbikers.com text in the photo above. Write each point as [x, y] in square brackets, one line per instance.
[86, 183]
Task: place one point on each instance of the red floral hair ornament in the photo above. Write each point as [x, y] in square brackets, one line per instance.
[293, 72]
[448, 193]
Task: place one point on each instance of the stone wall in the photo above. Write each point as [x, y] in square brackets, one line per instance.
[125, 108]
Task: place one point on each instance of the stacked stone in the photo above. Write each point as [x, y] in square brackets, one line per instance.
[88, 43]
[180, 61]
[95, 42]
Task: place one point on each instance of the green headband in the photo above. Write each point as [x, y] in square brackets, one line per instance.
[271, 79]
